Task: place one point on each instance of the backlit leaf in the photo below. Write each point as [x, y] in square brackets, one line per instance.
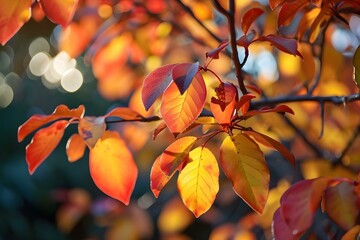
[180, 110]
[274, 3]
[155, 84]
[124, 113]
[286, 45]
[183, 74]
[340, 205]
[356, 63]
[214, 54]
[158, 179]
[289, 10]
[59, 11]
[249, 17]
[75, 147]
[112, 167]
[352, 234]
[13, 15]
[43, 143]
[319, 23]
[198, 182]
[272, 143]
[243, 163]
[174, 154]
[300, 202]
[38, 120]
[223, 106]
[244, 103]
[91, 129]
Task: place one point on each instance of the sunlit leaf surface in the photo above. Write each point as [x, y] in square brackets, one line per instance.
[198, 182]
[112, 167]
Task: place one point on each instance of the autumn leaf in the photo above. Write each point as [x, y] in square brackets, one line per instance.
[280, 229]
[356, 63]
[91, 129]
[277, 109]
[180, 110]
[288, 11]
[13, 15]
[274, 3]
[75, 147]
[155, 84]
[340, 204]
[158, 179]
[249, 17]
[198, 181]
[299, 203]
[43, 144]
[244, 103]
[214, 54]
[352, 234]
[272, 143]
[319, 23]
[243, 163]
[174, 154]
[36, 121]
[59, 11]
[124, 113]
[183, 74]
[286, 45]
[112, 167]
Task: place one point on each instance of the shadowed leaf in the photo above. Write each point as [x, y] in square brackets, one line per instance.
[43, 144]
[214, 54]
[356, 63]
[289, 10]
[112, 167]
[183, 74]
[124, 113]
[198, 181]
[286, 45]
[278, 109]
[91, 129]
[249, 17]
[280, 229]
[243, 163]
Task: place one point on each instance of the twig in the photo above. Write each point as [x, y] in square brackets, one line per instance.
[149, 119]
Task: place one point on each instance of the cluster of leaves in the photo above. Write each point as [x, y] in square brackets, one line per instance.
[185, 104]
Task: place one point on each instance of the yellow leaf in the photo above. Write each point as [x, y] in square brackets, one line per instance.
[243, 163]
[198, 182]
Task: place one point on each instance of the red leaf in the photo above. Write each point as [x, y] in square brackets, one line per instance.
[274, 3]
[13, 15]
[158, 179]
[155, 84]
[43, 143]
[280, 229]
[59, 11]
[75, 148]
[159, 129]
[278, 109]
[299, 203]
[272, 143]
[124, 113]
[244, 103]
[183, 74]
[340, 204]
[249, 17]
[246, 40]
[112, 167]
[36, 121]
[91, 129]
[289, 10]
[214, 54]
[178, 110]
[286, 45]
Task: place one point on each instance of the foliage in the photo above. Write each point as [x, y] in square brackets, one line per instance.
[216, 111]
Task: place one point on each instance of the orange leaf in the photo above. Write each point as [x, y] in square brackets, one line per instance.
[214, 54]
[198, 181]
[43, 143]
[59, 11]
[278, 109]
[352, 234]
[299, 203]
[13, 14]
[319, 23]
[175, 153]
[112, 167]
[274, 3]
[244, 103]
[223, 107]
[243, 163]
[249, 17]
[91, 129]
[36, 121]
[180, 110]
[340, 204]
[124, 113]
[75, 147]
[272, 143]
[158, 179]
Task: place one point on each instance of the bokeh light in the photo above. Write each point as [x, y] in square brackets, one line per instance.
[39, 64]
[40, 44]
[72, 80]
[6, 95]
